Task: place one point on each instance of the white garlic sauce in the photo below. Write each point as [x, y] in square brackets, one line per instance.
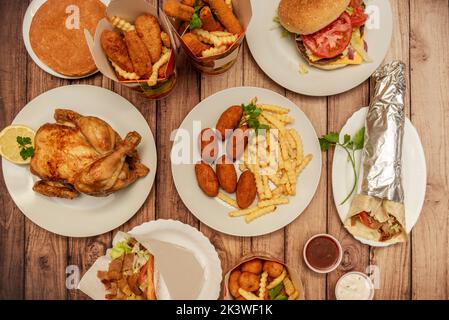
[353, 286]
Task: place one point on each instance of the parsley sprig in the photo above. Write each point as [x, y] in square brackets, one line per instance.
[251, 115]
[195, 21]
[26, 147]
[350, 145]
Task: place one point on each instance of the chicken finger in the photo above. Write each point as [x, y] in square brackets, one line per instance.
[115, 48]
[139, 54]
[149, 30]
[177, 10]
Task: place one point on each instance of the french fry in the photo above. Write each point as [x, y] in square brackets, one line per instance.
[266, 187]
[291, 173]
[210, 38]
[248, 295]
[285, 118]
[273, 108]
[278, 280]
[163, 60]
[303, 164]
[279, 191]
[294, 296]
[227, 199]
[259, 213]
[284, 147]
[299, 146]
[272, 202]
[243, 212]
[274, 121]
[121, 24]
[213, 51]
[259, 184]
[289, 286]
[263, 285]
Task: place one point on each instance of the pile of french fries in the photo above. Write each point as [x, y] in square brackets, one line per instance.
[276, 159]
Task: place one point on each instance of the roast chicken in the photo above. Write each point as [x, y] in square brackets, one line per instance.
[84, 154]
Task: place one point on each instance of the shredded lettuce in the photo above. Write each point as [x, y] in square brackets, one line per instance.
[358, 45]
[120, 249]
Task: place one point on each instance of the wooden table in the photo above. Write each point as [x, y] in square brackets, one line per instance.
[33, 261]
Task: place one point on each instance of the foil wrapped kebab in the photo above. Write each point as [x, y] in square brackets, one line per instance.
[377, 212]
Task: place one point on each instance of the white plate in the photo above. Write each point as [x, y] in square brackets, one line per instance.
[181, 234]
[414, 171]
[280, 60]
[214, 213]
[83, 216]
[29, 14]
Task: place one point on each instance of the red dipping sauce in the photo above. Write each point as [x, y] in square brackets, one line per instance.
[322, 253]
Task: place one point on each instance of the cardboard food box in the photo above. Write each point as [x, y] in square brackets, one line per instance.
[219, 63]
[129, 10]
[293, 274]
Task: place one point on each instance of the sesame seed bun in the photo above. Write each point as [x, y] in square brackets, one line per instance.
[309, 16]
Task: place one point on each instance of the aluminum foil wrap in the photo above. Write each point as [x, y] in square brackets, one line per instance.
[382, 154]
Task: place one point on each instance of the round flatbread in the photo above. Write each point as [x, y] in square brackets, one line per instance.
[57, 34]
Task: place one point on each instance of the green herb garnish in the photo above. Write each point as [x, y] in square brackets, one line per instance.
[195, 21]
[350, 10]
[26, 147]
[251, 114]
[281, 297]
[274, 293]
[349, 145]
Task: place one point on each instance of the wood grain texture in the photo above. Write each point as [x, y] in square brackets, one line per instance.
[13, 88]
[429, 29]
[356, 255]
[391, 273]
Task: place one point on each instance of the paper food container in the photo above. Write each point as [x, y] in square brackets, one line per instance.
[129, 10]
[176, 285]
[294, 276]
[220, 63]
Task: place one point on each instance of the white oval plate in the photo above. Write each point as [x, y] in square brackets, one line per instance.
[280, 60]
[83, 216]
[28, 18]
[186, 236]
[413, 179]
[214, 213]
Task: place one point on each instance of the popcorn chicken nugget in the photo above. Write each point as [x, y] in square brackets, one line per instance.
[254, 266]
[208, 20]
[149, 30]
[249, 281]
[115, 49]
[226, 16]
[178, 10]
[194, 44]
[138, 53]
[234, 283]
[273, 268]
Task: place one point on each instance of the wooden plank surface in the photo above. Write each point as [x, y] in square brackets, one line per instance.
[34, 261]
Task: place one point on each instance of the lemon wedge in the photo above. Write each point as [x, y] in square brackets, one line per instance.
[9, 148]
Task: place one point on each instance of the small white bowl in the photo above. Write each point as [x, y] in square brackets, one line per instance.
[368, 280]
[340, 253]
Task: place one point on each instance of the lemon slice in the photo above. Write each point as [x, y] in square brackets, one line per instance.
[9, 148]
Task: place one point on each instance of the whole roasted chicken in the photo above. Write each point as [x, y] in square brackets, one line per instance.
[83, 154]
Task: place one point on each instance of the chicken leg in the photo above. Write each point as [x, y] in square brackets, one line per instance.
[100, 177]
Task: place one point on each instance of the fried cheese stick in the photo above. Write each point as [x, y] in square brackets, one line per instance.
[225, 16]
[208, 20]
[178, 10]
[194, 44]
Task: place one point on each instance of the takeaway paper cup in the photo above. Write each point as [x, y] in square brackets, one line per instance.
[263, 256]
[130, 10]
[220, 63]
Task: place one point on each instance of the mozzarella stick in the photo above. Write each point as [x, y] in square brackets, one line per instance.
[194, 44]
[208, 20]
[226, 16]
[178, 10]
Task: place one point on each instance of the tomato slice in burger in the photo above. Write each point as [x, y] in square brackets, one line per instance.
[332, 40]
[358, 17]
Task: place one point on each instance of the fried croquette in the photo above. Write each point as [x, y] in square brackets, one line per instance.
[138, 53]
[178, 10]
[149, 30]
[274, 269]
[253, 266]
[249, 281]
[208, 20]
[194, 44]
[115, 48]
[225, 16]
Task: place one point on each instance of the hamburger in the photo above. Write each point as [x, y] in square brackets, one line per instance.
[329, 33]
